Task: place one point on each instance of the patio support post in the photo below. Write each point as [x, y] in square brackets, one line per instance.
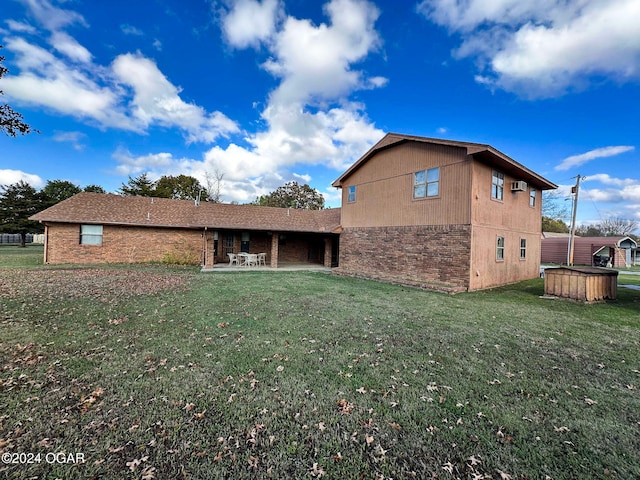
[327, 251]
[274, 249]
[209, 250]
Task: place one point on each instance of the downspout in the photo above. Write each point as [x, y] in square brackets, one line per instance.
[46, 244]
[204, 248]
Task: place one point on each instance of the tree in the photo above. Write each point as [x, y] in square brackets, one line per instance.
[57, 190]
[141, 186]
[554, 205]
[17, 203]
[292, 195]
[611, 227]
[554, 225]
[11, 122]
[213, 185]
[94, 189]
[183, 187]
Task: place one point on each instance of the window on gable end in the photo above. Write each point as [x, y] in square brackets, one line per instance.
[532, 197]
[426, 183]
[497, 185]
[351, 196]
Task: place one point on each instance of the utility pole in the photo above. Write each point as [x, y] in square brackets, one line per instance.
[572, 232]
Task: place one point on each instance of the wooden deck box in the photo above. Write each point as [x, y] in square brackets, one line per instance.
[587, 284]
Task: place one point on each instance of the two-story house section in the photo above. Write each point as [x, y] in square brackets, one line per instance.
[440, 214]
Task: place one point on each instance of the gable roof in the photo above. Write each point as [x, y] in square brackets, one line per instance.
[482, 152]
[111, 209]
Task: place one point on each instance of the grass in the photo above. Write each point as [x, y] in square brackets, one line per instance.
[15, 256]
[159, 372]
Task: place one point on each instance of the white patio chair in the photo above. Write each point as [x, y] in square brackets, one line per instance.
[252, 259]
[262, 259]
[233, 258]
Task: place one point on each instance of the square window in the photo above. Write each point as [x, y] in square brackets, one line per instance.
[497, 185]
[500, 248]
[426, 183]
[352, 194]
[90, 234]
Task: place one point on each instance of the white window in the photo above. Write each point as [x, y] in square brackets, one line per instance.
[532, 197]
[426, 183]
[523, 249]
[500, 249]
[90, 234]
[352, 194]
[497, 185]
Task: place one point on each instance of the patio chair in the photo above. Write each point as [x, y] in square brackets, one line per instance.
[262, 259]
[252, 259]
[233, 258]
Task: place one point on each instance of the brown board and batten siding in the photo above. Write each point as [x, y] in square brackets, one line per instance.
[384, 189]
[446, 242]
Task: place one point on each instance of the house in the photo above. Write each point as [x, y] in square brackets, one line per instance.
[439, 214]
[101, 228]
[618, 251]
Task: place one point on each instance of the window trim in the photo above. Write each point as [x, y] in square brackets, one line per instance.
[351, 194]
[84, 237]
[500, 248]
[426, 183]
[523, 249]
[497, 189]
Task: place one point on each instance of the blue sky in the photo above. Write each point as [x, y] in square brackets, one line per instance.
[269, 91]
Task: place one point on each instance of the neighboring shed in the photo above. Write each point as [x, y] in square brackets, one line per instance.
[587, 284]
[590, 250]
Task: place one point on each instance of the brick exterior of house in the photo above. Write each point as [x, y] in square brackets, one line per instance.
[122, 244]
[426, 256]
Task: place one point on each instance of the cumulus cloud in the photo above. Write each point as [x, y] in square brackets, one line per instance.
[130, 94]
[9, 177]
[542, 48]
[309, 118]
[577, 160]
[249, 22]
[157, 101]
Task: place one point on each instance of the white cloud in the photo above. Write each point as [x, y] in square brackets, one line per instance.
[51, 17]
[577, 160]
[157, 101]
[309, 119]
[68, 46]
[130, 30]
[542, 48]
[249, 22]
[20, 26]
[9, 177]
[608, 180]
[74, 138]
[129, 164]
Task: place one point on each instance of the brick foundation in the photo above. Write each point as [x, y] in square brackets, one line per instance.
[431, 256]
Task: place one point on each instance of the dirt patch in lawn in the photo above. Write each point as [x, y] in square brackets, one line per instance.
[97, 284]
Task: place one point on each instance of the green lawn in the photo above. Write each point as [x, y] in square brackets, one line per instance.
[15, 256]
[159, 372]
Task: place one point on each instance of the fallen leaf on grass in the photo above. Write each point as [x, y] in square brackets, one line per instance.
[344, 407]
[317, 471]
[148, 473]
[560, 429]
[588, 401]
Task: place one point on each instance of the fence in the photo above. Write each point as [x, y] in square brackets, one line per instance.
[15, 238]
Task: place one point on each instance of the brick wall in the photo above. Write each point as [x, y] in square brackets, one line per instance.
[431, 256]
[123, 244]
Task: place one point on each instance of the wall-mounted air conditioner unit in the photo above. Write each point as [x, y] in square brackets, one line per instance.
[519, 186]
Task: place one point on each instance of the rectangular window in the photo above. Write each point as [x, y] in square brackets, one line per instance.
[352, 194]
[497, 185]
[523, 248]
[90, 234]
[426, 183]
[532, 197]
[500, 249]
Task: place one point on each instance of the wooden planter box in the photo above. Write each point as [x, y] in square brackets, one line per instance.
[587, 284]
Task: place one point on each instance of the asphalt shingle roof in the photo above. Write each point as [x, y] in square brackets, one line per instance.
[111, 209]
